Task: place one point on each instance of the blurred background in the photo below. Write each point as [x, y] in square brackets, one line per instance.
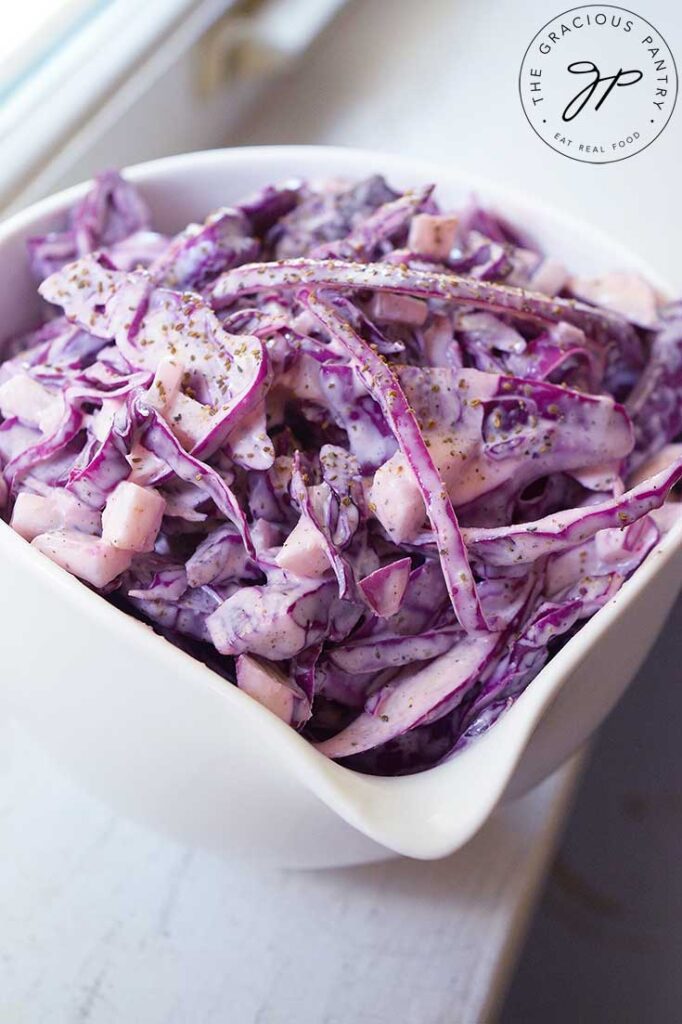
[86, 84]
[91, 83]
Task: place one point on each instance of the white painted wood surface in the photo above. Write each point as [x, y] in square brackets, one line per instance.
[103, 922]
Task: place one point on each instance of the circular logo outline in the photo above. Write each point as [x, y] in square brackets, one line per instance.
[583, 160]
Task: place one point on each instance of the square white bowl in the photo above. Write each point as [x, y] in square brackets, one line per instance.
[161, 738]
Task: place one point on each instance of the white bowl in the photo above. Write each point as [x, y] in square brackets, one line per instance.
[164, 740]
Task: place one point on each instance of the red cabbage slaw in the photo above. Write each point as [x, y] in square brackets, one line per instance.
[370, 461]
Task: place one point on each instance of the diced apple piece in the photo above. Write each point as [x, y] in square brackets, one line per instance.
[432, 235]
[189, 420]
[34, 514]
[303, 552]
[165, 387]
[27, 399]
[623, 292]
[549, 277]
[440, 346]
[396, 501]
[132, 517]
[401, 309]
[89, 558]
[267, 685]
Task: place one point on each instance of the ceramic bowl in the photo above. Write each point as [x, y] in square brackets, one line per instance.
[163, 740]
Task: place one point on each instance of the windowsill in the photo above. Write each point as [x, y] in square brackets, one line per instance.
[91, 64]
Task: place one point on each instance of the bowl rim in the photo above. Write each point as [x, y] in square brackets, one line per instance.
[375, 805]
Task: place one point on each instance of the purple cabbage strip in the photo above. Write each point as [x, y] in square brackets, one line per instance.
[598, 324]
[654, 404]
[158, 438]
[385, 223]
[374, 653]
[199, 253]
[302, 497]
[384, 589]
[111, 212]
[415, 699]
[507, 545]
[326, 214]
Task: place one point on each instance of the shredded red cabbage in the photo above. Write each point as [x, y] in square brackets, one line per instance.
[370, 461]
